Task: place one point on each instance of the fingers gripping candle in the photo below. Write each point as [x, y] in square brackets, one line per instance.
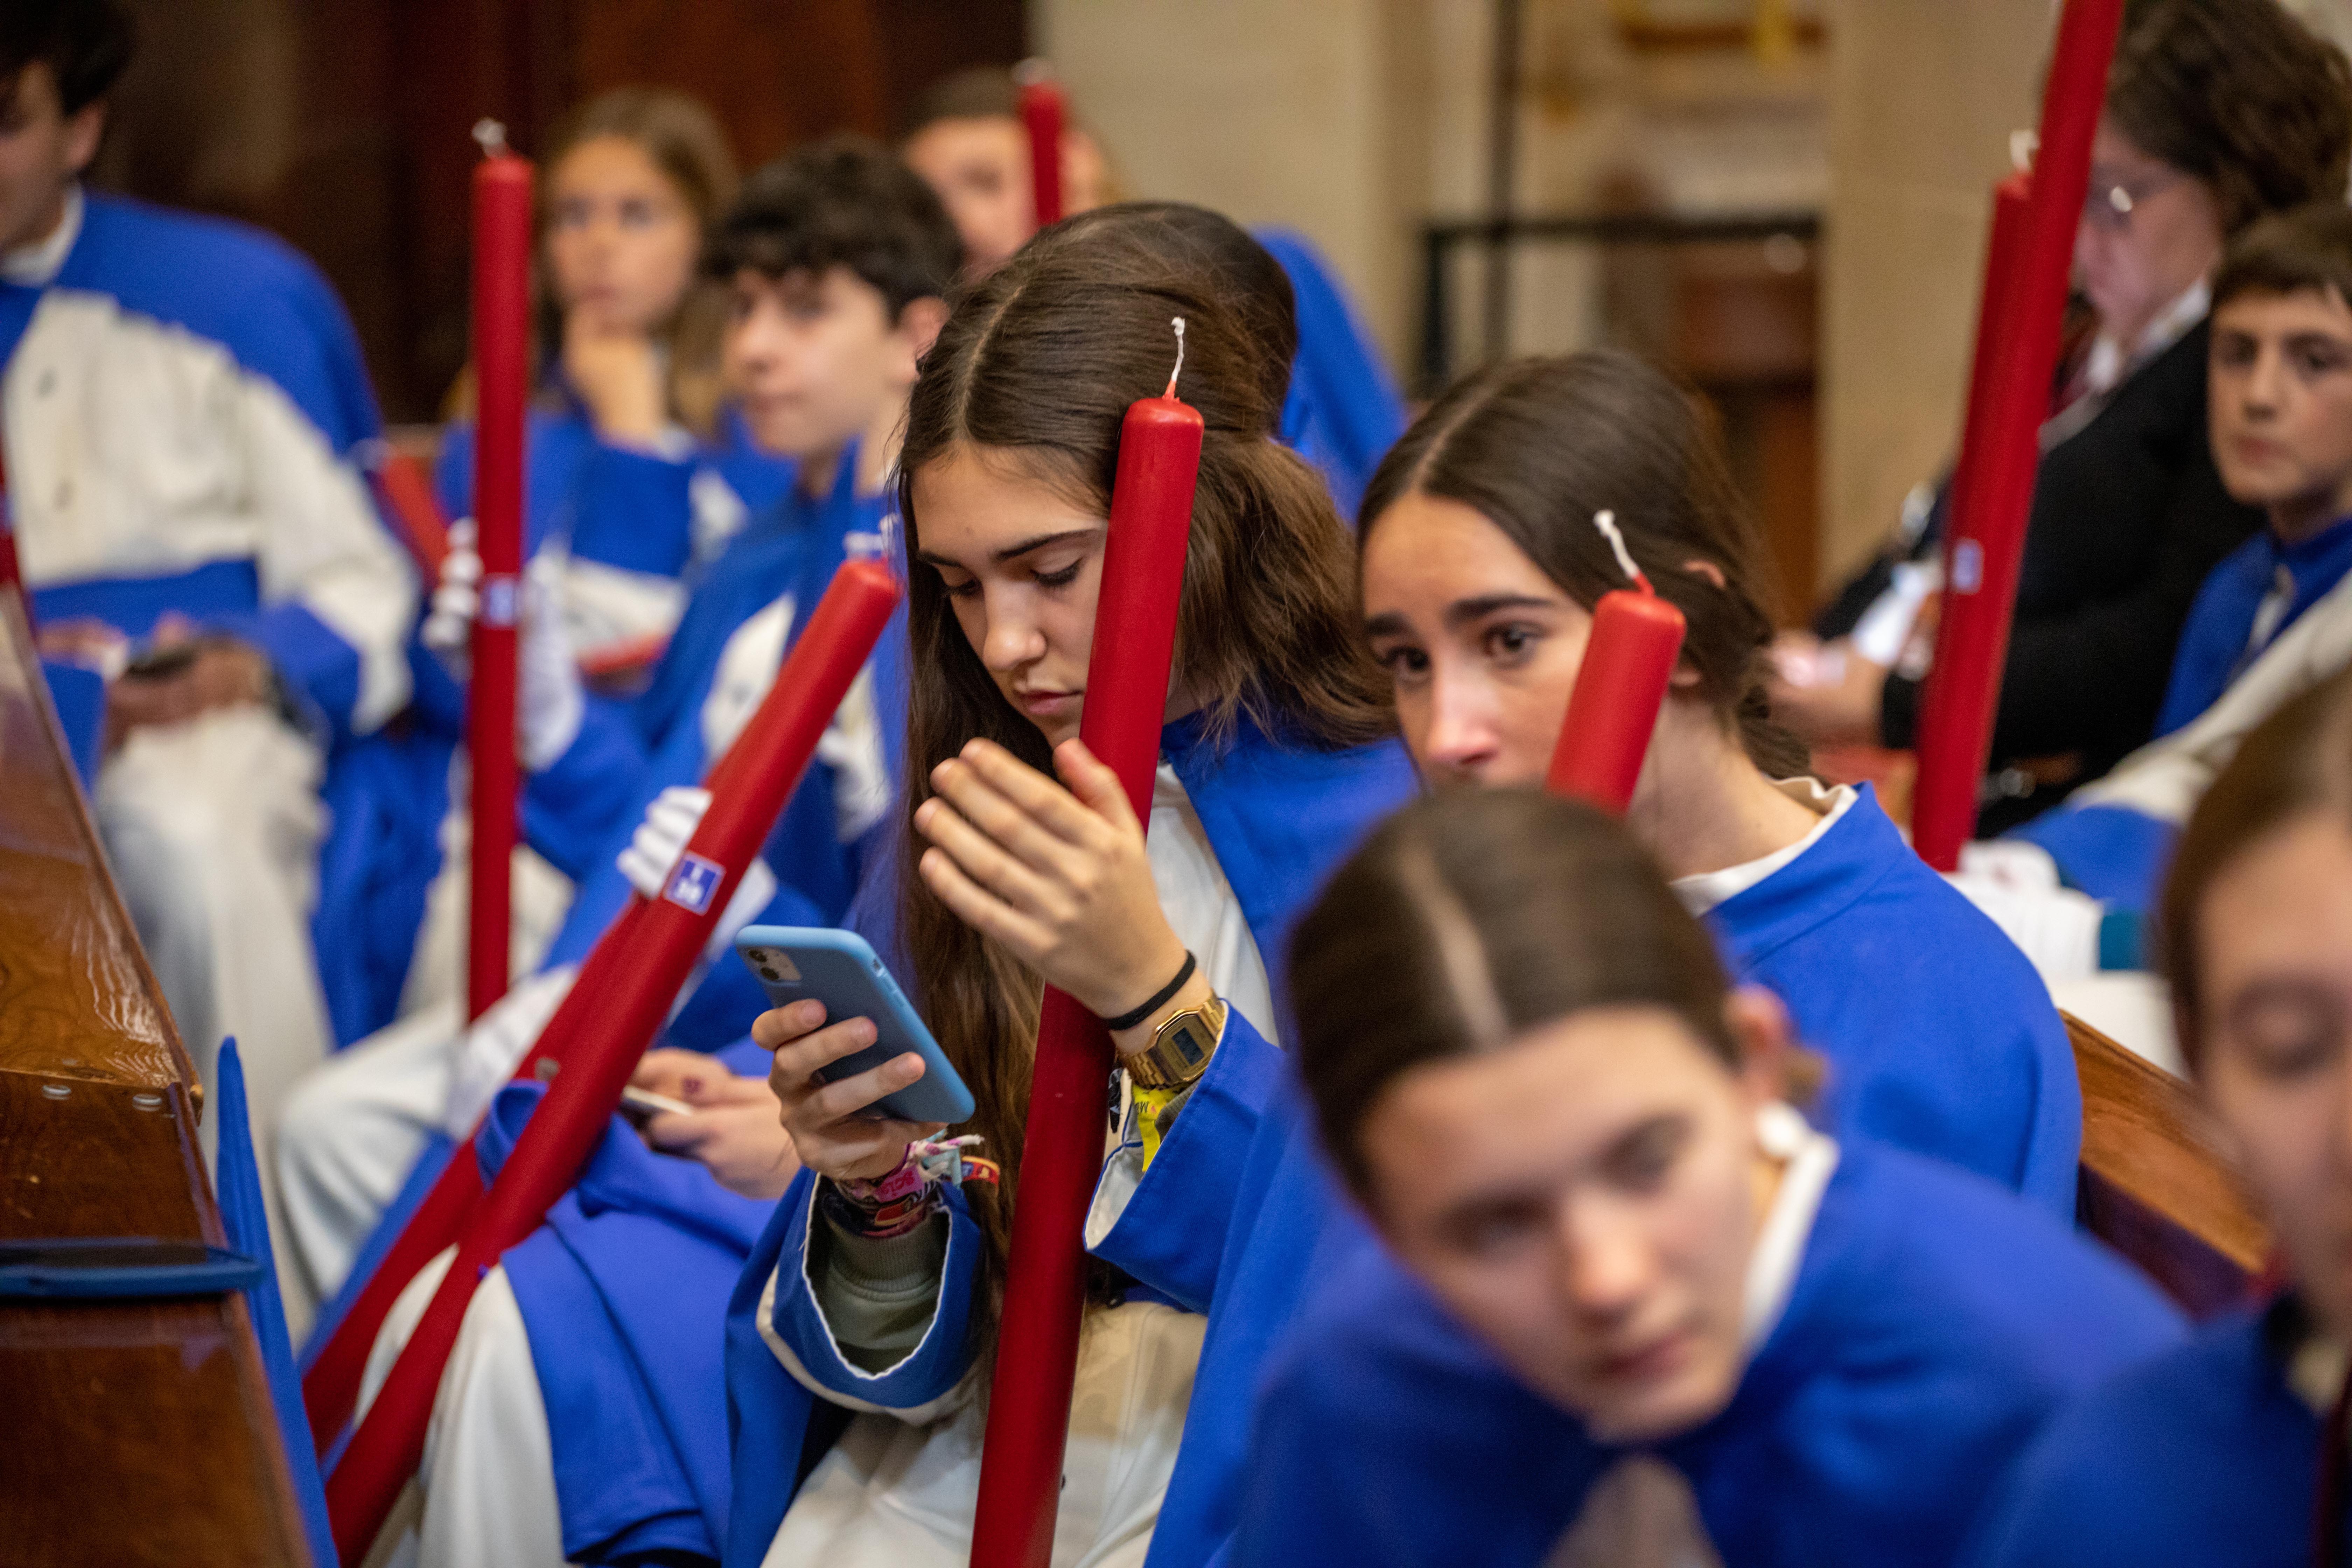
[501, 379]
[1044, 1286]
[1629, 661]
[624, 991]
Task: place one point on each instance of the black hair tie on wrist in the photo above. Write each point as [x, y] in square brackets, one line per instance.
[1129, 1019]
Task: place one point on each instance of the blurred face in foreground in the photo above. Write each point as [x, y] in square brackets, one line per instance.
[2275, 1043]
[43, 150]
[1585, 1199]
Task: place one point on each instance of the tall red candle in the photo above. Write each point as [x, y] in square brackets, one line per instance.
[501, 381]
[1061, 1150]
[2025, 299]
[1612, 708]
[1042, 111]
[629, 1000]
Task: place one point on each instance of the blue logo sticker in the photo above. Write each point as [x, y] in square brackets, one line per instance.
[694, 883]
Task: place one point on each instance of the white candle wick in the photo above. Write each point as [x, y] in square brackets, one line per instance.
[1177, 322]
[1606, 521]
[492, 136]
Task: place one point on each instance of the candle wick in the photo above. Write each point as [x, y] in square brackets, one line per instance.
[492, 136]
[1178, 322]
[1606, 521]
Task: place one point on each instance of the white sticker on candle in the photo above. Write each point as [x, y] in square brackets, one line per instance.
[693, 882]
[1967, 566]
[500, 599]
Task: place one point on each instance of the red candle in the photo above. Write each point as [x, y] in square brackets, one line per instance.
[623, 997]
[1061, 1149]
[501, 381]
[1992, 486]
[1612, 708]
[1042, 111]
[405, 497]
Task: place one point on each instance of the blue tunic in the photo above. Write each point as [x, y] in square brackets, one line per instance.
[1940, 1036]
[1952, 1045]
[2119, 856]
[2215, 642]
[2203, 1456]
[1934, 1324]
[1344, 411]
[239, 292]
[1279, 818]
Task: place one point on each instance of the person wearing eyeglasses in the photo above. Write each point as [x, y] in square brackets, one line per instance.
[2218, 112]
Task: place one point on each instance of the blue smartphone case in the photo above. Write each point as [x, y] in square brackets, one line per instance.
[842, 971]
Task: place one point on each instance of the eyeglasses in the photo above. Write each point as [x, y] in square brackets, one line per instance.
[2109, 204]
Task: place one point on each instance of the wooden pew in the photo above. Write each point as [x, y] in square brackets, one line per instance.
[2156, 1185]
[138, 1431]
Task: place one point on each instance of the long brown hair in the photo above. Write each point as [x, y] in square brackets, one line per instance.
[1538, 445]
[1036, 367]
[1469, 918]
[2297, 762]
[2240, 94]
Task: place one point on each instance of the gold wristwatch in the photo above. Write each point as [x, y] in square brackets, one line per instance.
[1180, 1048]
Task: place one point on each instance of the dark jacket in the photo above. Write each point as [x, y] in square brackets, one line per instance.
[2128, 517]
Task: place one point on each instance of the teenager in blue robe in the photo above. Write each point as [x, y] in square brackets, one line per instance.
[2215, 1453]
[2275, 617]
[1617, 1270]
[1481, 560]
[1479, 556]
[183, 400]
[1282, 759]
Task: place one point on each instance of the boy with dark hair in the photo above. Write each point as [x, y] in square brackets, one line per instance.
[839, 260]
[183, 399]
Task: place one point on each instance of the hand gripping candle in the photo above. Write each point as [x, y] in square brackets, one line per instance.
[1629, 659]
[1044, 110]
[621, 996]
[1992, 487]
[501, 380]
[1061, 1153]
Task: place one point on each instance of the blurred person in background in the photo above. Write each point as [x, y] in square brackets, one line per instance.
[2217, 112]
[965, 136]
[185, 401]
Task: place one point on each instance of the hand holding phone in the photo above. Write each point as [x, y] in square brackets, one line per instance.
[857, 1084]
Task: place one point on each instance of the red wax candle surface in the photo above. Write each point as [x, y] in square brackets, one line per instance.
[1126, 699]
[502, 378]
[1043, 111]
[1992, 487]
[1628, 661]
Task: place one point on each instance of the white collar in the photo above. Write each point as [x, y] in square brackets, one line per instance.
[2109, 362]
[1705, 890]
[1808, 1159]
[36, 266]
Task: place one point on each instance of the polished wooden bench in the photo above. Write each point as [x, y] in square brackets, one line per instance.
[138, 1431]
[2155, 1183]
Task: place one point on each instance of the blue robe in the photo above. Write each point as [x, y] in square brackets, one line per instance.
[2119, 856]
[1279, 820]
[1344, 411]
[2215, 642]
[1940, 1036]
[2203, 1455]
[1934, 1324]
[173, 297]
